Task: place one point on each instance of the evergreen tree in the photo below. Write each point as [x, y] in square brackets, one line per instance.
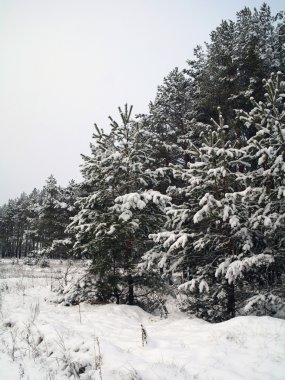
[197, 232]
[223, 243]
[240, 54]
[104, 228]
[168, 119]
[266, 188]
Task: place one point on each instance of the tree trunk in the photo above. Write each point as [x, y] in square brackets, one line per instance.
[231, 302]
[131, 290]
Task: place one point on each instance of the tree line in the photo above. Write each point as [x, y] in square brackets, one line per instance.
[34, 224]
[187, 199]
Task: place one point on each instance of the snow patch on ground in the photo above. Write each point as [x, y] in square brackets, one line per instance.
[40, 340]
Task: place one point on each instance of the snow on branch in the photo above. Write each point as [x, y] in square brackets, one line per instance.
[237, 268]
[125, 203]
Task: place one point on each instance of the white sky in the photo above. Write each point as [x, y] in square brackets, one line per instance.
[66, 64]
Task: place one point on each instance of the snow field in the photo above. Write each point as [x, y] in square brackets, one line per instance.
[41, 340]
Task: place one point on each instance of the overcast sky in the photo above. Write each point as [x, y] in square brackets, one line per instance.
[66, 64]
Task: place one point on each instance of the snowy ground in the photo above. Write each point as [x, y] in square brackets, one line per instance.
[40, 340]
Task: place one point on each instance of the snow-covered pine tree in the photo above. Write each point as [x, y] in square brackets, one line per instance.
[230, 248]
[213, 72]
[198, 233]
[53, 217]
[32, 230]
[47, 212]
[170, 125]
[264, 197]
[105, 229]
[169, 117]
[231, 67]
[67, 208]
